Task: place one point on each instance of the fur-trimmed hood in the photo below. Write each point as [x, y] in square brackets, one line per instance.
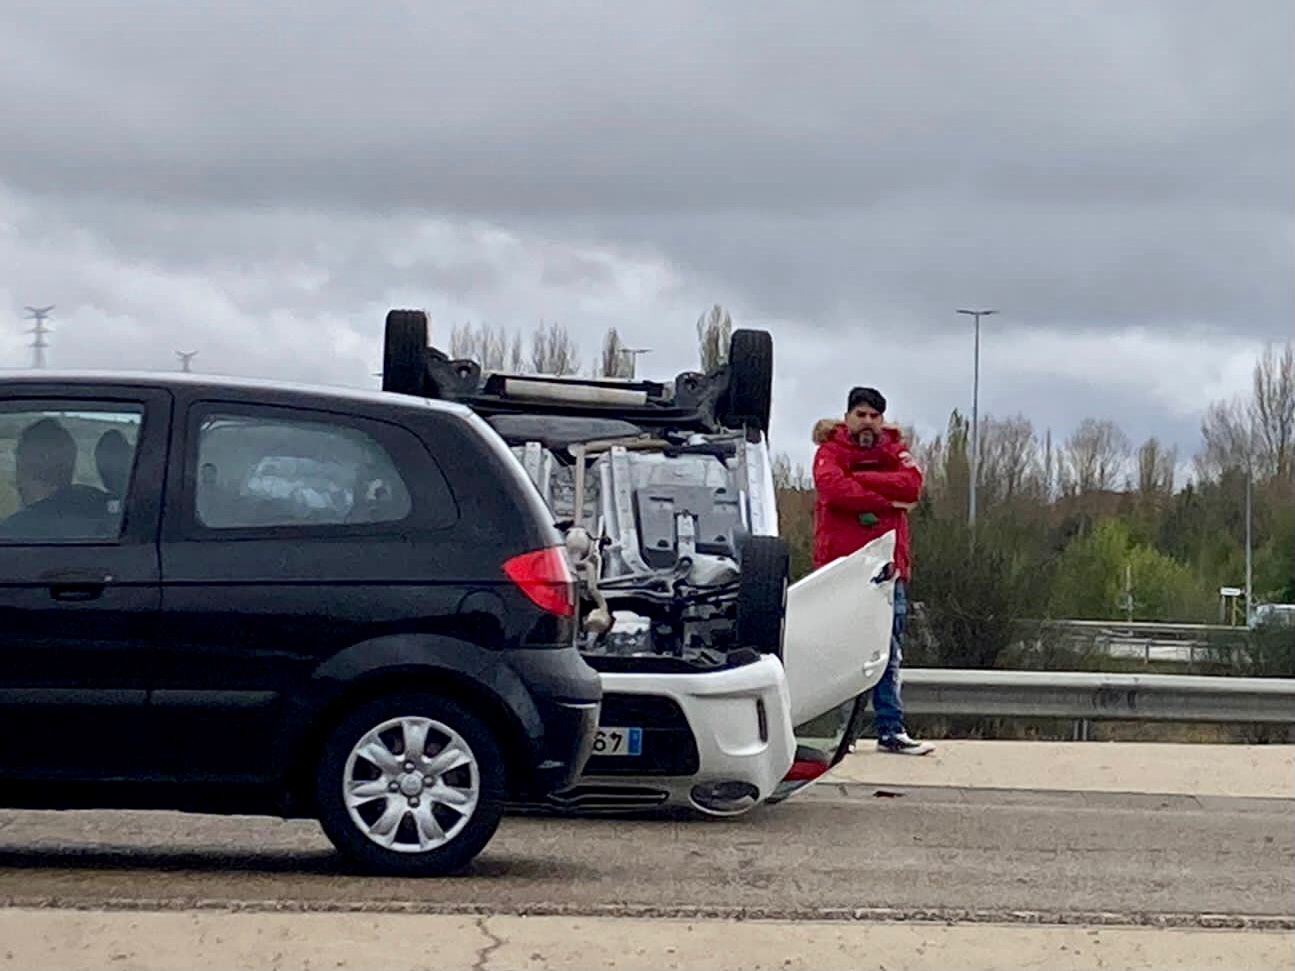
[825, 428]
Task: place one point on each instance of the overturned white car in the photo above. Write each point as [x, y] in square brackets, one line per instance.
[709, 657]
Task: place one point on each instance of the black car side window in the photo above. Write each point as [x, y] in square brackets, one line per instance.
[266, 472]
[65, 468]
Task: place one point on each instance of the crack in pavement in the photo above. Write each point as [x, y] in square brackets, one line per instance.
[495, 943]
[913, 915]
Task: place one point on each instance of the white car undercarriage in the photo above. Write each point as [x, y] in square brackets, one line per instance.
[710, 658]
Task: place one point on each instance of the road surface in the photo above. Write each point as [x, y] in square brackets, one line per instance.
[975, 854]
[850, 874]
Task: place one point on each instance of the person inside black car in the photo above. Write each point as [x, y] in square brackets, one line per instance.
[53, 506]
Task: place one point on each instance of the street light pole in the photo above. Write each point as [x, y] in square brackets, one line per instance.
[1250, 489]
[975, 416]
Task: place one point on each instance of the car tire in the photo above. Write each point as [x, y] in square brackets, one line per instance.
[384, 830]
[404, 352]
[762, 593]
[749, 400]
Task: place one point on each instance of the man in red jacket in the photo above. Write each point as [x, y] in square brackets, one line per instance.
[867, 482]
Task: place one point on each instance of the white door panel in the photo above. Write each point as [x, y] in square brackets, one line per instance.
[838, 630]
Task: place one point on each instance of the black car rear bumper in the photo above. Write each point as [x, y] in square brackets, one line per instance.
[569, 732]
[567, 694]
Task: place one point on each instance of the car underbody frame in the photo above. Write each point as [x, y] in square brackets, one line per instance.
[665, 494]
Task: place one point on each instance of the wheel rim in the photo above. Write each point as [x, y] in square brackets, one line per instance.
[411, 784]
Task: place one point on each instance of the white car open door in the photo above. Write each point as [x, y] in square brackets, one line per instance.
[837, 639]
[835, 650]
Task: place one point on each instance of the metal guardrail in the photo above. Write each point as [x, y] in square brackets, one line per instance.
[1146, 641]
[1135, 627]
[1084, 696]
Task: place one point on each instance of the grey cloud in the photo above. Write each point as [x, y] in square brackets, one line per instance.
[906, 267]
[268, 292]
[1106, 164]
[508, 109]
[270, 177]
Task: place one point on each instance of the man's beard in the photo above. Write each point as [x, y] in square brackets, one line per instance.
[867, 438]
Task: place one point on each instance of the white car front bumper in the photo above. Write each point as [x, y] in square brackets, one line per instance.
[740, 723]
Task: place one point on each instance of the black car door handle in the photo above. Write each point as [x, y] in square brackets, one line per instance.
[74, 586]
[76, 591]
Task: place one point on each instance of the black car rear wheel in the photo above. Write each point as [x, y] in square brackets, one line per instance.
[410, 784]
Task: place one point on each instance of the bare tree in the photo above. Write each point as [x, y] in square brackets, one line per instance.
[463, 341]
[788, 477]
[1236, 433]
[1009, 453]
[802, 479]
[1096, 456]
[782, 472]
[1048, 473]
[1225, 440]
[516, 356]
[1272, 413]
[1156, 467]
[714, 328]
[613, 362]
[553, 351]
[486, 345]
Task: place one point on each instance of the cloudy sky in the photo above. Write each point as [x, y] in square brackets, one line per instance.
[261, 181]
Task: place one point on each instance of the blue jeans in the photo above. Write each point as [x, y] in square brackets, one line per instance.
[887, 706]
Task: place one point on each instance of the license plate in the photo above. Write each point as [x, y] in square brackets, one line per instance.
[619, 741]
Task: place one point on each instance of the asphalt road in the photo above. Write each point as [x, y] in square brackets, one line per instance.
[838, 851]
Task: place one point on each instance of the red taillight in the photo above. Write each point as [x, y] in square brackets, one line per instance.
[546, 579]
[804, 770]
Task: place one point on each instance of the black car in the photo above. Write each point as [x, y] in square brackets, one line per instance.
[237, 597]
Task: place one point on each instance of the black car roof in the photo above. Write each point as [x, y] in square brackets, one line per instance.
[217, 384]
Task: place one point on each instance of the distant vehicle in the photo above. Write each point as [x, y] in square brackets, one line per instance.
[709, 656]
[239, 597]
[1273, 615]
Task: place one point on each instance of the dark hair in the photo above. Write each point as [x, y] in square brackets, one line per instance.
[866, 396]
[47, 450]
[112, 459]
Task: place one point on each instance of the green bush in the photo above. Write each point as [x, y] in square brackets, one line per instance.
[1269, 652]
[1091, 574]
[971, 597]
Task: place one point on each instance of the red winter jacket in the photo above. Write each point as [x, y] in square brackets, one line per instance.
[856, 484]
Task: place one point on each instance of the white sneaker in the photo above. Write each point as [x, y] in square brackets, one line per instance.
[901, 744]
